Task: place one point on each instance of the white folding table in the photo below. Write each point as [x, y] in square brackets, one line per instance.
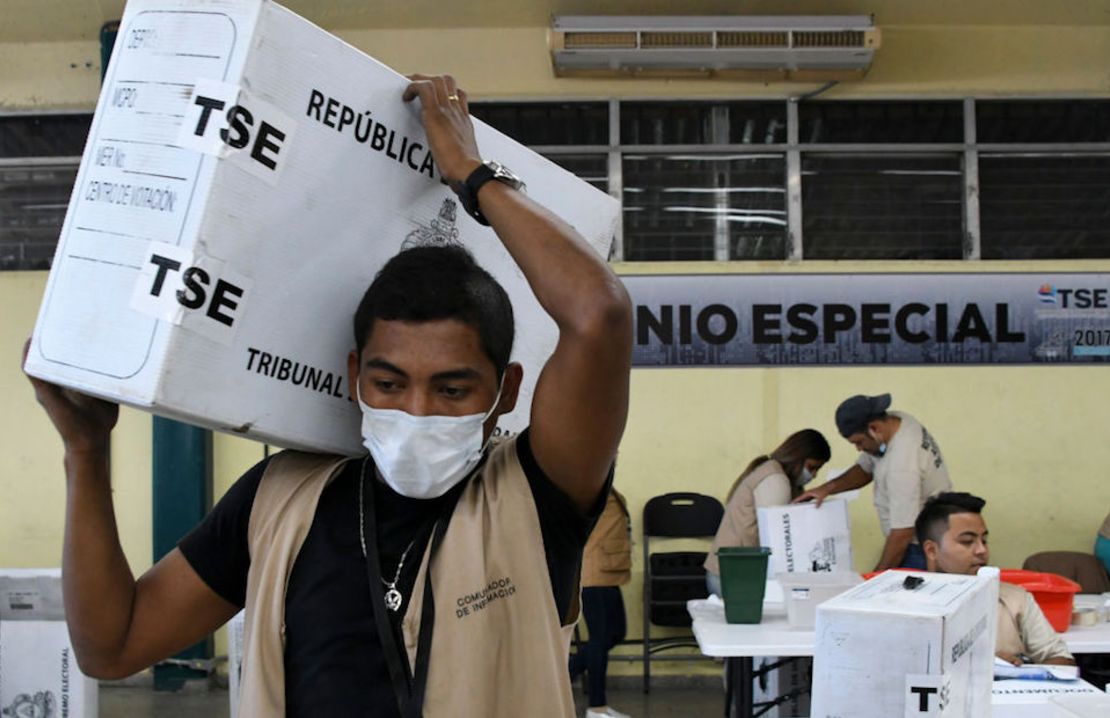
[739, 643]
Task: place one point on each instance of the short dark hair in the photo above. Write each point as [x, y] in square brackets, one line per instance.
[932, 522]
[429, 283]
[856, 412]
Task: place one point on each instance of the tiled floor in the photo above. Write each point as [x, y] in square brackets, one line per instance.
[665, 702]
[142, 702]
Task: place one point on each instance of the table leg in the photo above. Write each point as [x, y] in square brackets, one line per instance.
[740, 687]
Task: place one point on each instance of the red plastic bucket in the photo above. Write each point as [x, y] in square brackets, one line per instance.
[1054, 594]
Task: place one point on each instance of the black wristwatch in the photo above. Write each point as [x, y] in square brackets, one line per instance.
[467, 190]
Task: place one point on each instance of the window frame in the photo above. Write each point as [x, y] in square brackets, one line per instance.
[970, 149]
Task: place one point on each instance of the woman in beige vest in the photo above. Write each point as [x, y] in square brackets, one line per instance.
[606, 566]
[769, 480]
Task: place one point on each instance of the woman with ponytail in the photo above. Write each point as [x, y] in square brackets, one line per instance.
[769, 480]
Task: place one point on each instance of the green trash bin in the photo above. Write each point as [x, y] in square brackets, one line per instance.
[743, 581]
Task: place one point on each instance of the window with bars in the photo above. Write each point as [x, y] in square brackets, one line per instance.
[880, 122]
[38, 166]
[548, 123]
[1036, 206]
[701, 123]
[703, 206]
[1042, 121]
[708, 180]
[882, 206]
[593, 168]
[1044, 205]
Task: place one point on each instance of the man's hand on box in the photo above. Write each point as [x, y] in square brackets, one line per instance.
[817, 496]
[84, 422]
[446, 116]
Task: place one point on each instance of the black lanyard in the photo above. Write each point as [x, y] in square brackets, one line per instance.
[408, 688]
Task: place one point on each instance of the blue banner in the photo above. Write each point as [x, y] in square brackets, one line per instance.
[849, 319]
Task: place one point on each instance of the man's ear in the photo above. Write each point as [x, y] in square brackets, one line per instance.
[931, 549]
[510, 387]
[352, 374]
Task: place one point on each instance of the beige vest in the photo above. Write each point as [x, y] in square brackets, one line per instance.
[498, 643]
[739, 526]
[1011, 602]
[607, 560]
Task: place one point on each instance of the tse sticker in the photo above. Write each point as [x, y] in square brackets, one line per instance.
[198, 293]
[227, 121]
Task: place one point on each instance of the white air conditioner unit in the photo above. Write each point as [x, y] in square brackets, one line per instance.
[805, 48]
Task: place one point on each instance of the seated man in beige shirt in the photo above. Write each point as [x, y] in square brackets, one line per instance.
[953, 535]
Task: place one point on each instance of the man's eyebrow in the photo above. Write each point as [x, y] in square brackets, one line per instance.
[375, 363]
[465, 373]
[973, 534]
[456, 374]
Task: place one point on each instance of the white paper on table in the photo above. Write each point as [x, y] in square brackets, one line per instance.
[1004, 670]
[1026, 692]
[711, 607]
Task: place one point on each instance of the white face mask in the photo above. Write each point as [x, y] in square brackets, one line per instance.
[880, 442]
[806, 476]
[422, 457]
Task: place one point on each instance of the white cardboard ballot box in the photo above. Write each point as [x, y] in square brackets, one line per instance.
[805, 538]
[245, 176]
[885, 650]
[38, 671]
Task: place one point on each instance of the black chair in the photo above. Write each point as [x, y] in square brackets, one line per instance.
[674, 577]
[1083, 568]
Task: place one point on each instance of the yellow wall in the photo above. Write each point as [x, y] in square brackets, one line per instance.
[918, 60]
[1029, 439]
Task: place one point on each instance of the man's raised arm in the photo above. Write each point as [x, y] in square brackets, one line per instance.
[581, 400]
[118, 626]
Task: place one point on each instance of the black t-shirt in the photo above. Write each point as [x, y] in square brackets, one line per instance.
[334, 663]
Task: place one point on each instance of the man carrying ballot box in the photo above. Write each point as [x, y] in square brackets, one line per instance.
[903, 460]
[954, 537]
[437, 576]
